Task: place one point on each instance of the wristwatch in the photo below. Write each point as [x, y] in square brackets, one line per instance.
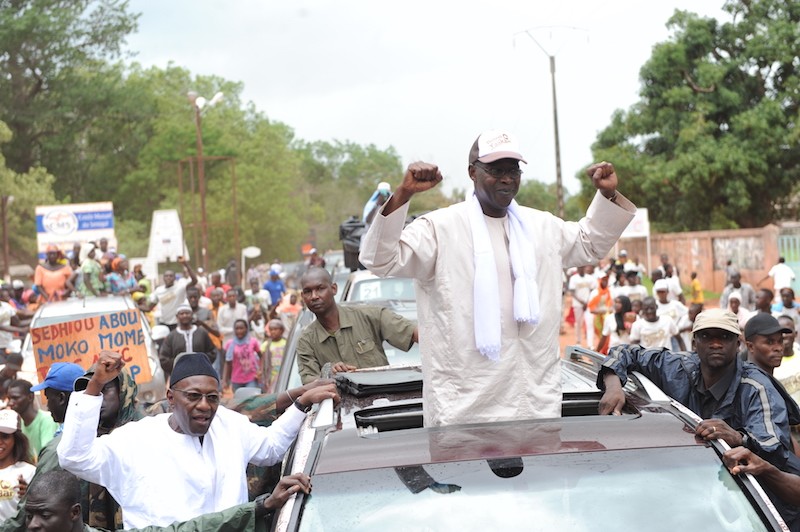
[300, 407]
[261, 510]
[746, 440]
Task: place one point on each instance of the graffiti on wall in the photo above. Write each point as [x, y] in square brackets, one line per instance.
[747, 253]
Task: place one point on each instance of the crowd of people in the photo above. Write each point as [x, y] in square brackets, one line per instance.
[489, 353]
[611, 306]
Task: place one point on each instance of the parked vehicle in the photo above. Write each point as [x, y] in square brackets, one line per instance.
[364, 286]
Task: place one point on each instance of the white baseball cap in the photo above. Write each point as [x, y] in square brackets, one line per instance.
[494, 145]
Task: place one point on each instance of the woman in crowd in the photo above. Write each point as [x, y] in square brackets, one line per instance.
[16, 464]
[617, 326]
[92, 278]
[242, 358]
[120, 281]
[52, 277]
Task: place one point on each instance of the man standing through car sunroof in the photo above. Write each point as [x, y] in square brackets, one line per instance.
[488, 281]
[738, 402]
[347, 337]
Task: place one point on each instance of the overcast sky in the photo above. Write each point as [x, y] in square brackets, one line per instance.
[423, 76]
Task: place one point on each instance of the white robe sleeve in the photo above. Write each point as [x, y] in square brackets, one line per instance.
[269, 444]
[592, 237]
[389, 249]
[80, 451]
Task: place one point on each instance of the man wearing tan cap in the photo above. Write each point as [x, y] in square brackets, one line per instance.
[738, 402]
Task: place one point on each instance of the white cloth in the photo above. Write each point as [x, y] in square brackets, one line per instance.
[615, 337]
[6, 313]
[654, 334]
[459, 384]
[170, 299]
[580, 286]
[9, 479]
[675, 289]
[782, 277]
[486, 292]
[683, 323]
[673, 309]
[635, 292]
[159, 476]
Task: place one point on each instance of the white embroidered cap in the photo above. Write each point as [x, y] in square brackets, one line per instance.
[494, 145]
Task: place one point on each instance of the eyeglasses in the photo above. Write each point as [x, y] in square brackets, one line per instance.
[495, 171]
[721, 335]
[194, 397]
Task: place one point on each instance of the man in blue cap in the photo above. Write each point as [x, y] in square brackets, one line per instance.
[57, 386]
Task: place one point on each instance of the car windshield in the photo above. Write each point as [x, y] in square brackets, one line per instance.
[576, 492]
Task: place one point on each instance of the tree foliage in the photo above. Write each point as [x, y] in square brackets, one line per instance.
[53, 55]
[712, 143]
[29, 189]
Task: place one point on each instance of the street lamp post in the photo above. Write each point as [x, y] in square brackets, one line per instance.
[6, 201]
[250, 252]
[198, 103]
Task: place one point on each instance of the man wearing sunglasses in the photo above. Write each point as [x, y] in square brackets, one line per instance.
[489, 277]
[176, 466]
[738, 402]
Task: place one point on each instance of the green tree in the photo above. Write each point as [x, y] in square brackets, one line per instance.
[340, 178]
[55, 78]
[543, 196]
[29, 189]
[712, 143]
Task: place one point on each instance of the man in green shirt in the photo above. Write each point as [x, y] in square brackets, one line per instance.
[54, 505]
[347, 337]
[37, 425]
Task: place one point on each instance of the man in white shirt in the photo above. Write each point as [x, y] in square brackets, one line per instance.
[782, 277]
[670, 308]
[176, 466]
[580, 286]
[653, 331]
[170, 295]
[228, 314]
[488, 282]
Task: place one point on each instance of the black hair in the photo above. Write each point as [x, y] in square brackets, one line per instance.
[57, 485]
[626, 307]
[22, 448]
[22, 384]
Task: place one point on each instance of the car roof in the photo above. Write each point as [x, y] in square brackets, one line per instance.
[73, 308]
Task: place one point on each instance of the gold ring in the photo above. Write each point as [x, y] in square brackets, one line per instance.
[713, 429]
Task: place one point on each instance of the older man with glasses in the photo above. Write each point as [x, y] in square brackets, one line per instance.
[489, 283]
[175, 466]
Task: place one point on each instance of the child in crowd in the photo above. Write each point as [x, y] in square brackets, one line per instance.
[242, 358]
[273, 354]
[670, 308]
[653, 331]
[617, 326]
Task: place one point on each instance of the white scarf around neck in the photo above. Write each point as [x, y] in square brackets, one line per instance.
[487, 324]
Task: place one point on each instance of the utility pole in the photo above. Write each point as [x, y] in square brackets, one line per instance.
[552, 58]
